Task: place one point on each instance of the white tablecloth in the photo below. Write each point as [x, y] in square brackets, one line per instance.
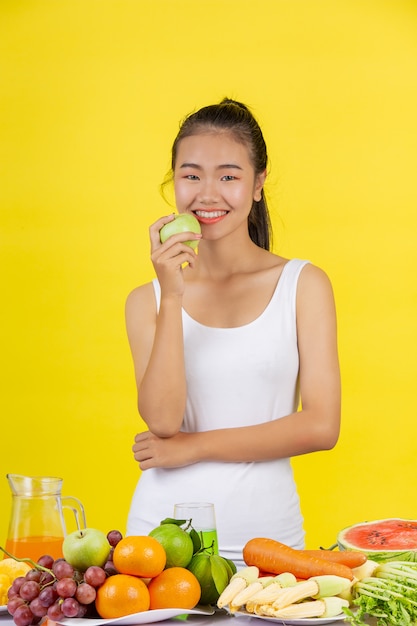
[218, 619]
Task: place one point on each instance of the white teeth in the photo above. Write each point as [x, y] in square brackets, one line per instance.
[208, 214]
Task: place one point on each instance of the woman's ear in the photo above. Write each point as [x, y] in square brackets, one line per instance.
[259, 183]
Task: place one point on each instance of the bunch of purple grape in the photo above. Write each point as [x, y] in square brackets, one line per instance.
[56, 590]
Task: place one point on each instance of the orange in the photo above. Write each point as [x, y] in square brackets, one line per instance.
[121, 595]
[139, 556]
[174, 588]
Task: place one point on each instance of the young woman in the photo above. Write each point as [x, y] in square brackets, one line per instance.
[225, 344]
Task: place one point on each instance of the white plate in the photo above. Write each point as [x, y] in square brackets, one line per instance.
[3, 608]
[294, 622]
[145, 617]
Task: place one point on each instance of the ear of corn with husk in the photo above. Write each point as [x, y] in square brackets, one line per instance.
[284, 597]
[325, 607]
[238, 583]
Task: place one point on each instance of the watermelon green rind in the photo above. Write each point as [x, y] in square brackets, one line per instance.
[392, 539]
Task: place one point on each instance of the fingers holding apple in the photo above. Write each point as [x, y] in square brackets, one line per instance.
[155, 229]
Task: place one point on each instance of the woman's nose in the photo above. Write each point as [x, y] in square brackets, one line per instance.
[208, 192]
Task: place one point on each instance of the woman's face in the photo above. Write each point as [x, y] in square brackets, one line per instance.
[215, 180]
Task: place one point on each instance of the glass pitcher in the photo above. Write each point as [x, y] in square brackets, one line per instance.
[37, 524]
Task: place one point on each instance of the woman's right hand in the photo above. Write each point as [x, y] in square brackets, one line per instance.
[168, 258]
[175, 451]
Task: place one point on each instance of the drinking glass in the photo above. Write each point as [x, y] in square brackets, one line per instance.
[203, 520]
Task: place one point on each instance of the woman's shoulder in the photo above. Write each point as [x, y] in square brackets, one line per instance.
[141, 298]
[312, 274]
[311, 281]
[296, 269]
[314, 285]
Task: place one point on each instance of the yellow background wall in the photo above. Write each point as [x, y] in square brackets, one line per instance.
[92, 92]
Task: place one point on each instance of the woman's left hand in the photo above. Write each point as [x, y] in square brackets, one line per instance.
[152, 451]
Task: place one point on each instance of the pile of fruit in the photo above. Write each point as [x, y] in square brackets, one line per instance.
[374, 573]
[111, 576]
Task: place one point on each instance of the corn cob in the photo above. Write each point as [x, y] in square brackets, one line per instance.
[286, 579]
[315, 587]
[347, 594]
[260, 599]
[243, 596]
[325, 607]
[237, 583]
[359, 573]
[271, 591]
[365, 570]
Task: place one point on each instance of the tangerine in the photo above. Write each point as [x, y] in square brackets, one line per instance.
[139, 555]
[174, 588]
[122, 594]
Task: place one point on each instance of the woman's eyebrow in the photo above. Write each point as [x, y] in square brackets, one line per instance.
[193, 165]
[230, 166]
[219, 167]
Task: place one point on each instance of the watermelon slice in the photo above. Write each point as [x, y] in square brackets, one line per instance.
[383, 540]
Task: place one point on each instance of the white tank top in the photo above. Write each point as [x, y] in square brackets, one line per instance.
[235, 377]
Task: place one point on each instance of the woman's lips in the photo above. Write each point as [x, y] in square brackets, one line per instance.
[210, 217]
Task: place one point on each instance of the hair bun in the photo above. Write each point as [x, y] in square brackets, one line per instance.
[235, 103]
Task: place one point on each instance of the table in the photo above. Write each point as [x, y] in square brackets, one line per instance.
[218, 619]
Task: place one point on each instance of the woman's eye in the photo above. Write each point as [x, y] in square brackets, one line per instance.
[191, 177]
[228, 177]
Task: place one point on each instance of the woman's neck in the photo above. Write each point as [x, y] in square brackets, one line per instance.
[219, 260]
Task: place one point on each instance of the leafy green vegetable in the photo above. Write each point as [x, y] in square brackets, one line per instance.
[390, 595]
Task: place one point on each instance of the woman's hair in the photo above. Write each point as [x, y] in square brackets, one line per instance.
[235, 118]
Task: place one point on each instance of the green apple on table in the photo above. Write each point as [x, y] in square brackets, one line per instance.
[85, 547]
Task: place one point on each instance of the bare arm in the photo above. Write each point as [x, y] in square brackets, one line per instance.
[156, 340]
[315, 427]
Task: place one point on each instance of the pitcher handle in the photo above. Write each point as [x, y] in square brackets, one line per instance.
[69, 502]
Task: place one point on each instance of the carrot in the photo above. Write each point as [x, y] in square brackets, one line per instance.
[351, 558]
[275, 557]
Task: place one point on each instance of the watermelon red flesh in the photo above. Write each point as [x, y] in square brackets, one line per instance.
[389, 534]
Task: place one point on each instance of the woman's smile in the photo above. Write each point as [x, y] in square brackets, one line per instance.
[210, 216]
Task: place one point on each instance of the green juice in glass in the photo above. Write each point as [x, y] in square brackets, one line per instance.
[209, 538]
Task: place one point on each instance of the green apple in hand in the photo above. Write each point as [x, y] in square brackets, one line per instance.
[183, 223]
[85, 547]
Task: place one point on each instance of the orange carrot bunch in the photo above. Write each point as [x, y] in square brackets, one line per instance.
[276, 558]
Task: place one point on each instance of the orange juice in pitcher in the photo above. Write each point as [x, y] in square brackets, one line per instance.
[34, 547]
[37, 525]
